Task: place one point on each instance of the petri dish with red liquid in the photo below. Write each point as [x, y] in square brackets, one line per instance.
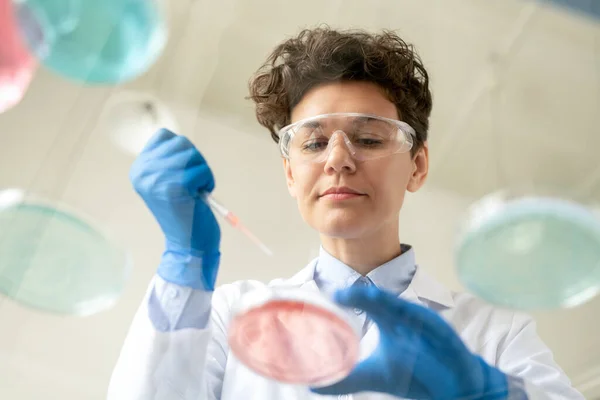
[294, 336]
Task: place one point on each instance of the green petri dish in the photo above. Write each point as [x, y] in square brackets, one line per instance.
[531, 253]
[53, 261]
[94, 41]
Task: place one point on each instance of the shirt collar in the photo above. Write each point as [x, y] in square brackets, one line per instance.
[424, 287]
[394, 276]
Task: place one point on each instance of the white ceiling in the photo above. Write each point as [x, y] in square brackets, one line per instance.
[545, 131]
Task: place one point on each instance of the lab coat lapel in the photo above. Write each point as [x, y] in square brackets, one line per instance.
[422, 287]
[310, 285]
[303, 279]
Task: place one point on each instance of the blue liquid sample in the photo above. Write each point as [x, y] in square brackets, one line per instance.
[533, 255]
[54, 262]
[94, 41]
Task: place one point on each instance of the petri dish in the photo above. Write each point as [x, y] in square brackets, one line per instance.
[53, 260]
[294, 336]
[97, 42]
[530, 252]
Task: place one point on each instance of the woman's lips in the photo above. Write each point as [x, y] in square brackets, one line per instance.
[341, 196]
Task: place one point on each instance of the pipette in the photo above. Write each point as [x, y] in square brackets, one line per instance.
[234, 221]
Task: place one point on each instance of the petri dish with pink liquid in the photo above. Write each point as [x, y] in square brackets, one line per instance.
[294, 336]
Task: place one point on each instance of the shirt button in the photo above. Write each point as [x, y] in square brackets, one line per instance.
[162, 326]
[173, 296]
[358, 311]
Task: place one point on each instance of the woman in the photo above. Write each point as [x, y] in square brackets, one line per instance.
[350, 111]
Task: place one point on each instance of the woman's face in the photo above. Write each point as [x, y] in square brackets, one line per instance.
[381, 182]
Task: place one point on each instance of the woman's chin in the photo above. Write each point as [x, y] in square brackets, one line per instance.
[342, 228]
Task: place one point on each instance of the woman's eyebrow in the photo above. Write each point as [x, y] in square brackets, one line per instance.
[312, 124]
[364, 119]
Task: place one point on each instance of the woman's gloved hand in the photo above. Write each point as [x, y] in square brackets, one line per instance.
[171, 175]
[419, 355]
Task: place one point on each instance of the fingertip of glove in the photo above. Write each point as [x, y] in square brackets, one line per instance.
[165, 132]
[323, 391]
[359, 292]
[158, 137]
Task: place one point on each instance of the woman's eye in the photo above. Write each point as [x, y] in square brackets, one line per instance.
[314, 146]
[369, 142]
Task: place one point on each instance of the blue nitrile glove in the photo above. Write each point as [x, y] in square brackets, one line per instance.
[419, 355]
[170, 175]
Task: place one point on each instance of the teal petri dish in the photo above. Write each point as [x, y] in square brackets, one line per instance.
[54, 261]
[97, 42]
[530, 253]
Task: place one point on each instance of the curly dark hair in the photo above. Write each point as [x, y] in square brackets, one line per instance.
[324, 55]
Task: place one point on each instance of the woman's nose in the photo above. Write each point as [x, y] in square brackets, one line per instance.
[340, 154]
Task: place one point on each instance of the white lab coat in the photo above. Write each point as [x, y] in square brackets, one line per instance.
[196, 364]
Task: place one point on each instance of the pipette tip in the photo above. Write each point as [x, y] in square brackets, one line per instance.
[234, 221]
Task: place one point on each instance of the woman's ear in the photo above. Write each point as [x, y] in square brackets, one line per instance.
[289, 177]
[420, 169]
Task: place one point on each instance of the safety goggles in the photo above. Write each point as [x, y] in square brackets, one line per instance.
[365, 136]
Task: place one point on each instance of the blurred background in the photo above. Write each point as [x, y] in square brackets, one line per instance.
[516, 89]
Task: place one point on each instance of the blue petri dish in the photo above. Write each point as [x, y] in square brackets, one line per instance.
[53, 261]
[531, 253]
[97, 42]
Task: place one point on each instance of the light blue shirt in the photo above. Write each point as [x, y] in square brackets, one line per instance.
[394, 276]
[173, 307]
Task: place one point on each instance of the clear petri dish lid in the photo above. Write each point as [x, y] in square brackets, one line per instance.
[294, 336]
[530, 250]
[54, 260]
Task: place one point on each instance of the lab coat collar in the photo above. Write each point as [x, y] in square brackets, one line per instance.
[427, 288]
[422, 287]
